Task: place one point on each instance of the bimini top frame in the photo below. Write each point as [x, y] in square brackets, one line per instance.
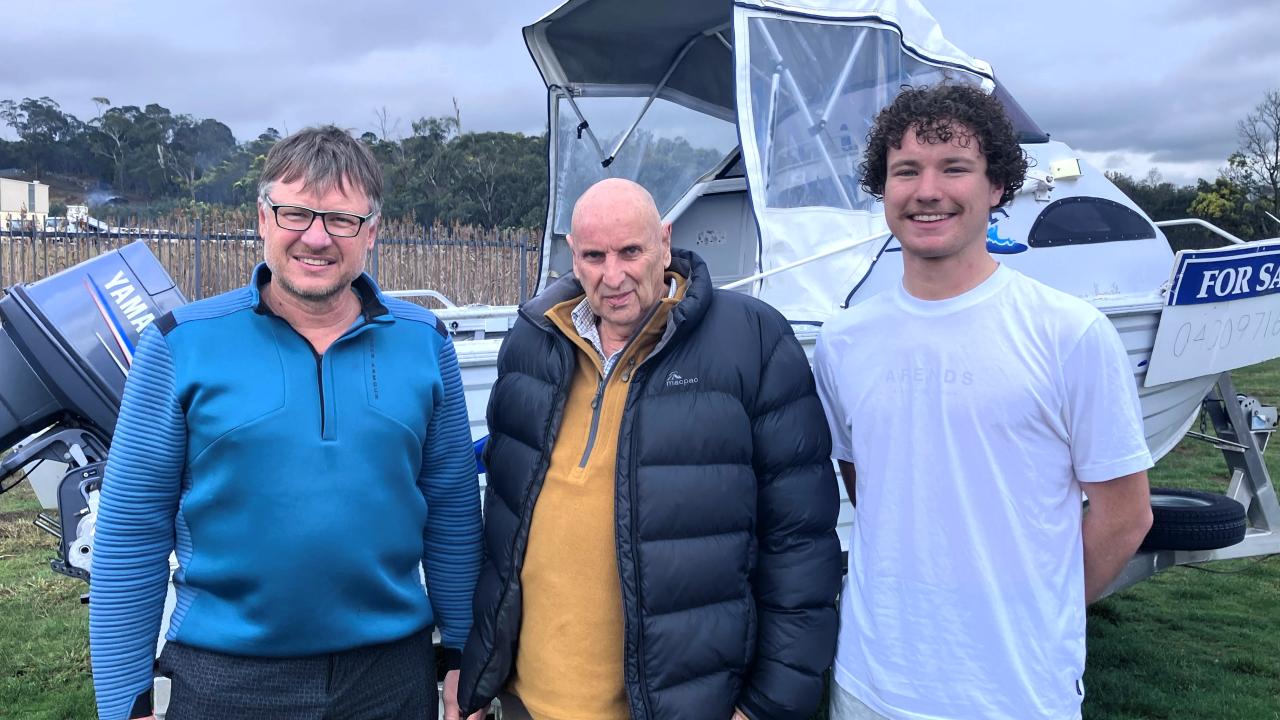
[651, 47]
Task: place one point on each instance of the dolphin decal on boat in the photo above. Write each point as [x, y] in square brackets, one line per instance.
[999, 245]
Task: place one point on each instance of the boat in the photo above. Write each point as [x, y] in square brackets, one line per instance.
[746, 121]
[775, 99]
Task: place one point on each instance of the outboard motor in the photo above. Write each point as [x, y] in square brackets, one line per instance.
[66, 344]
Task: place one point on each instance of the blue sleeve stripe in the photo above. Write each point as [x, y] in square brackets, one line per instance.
[216, 306]
[135, 531]
[411, 311]
[452, 544]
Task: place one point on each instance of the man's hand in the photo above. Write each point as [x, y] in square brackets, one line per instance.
[737, 715]
[451, 709]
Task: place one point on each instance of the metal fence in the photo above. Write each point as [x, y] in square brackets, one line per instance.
[464, 263]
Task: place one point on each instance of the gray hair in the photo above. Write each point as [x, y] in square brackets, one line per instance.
[323, 158]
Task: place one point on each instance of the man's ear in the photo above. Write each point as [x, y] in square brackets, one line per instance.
[263, 219]
[996, 192]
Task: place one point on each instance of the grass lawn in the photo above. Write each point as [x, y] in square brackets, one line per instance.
[1188, 644]
[1191, 643]
[44, 630]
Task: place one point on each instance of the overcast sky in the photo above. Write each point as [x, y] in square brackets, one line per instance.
[1132, 85]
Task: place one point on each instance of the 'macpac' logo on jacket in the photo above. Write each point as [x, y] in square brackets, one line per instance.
[674, 379]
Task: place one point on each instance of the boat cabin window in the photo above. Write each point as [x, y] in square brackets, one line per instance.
[671, 148]
[1085, 220]
[815, 88]
[734, 169]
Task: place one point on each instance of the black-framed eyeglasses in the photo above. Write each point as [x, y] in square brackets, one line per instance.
[299, 218]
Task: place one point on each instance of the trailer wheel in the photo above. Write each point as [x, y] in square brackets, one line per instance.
[1193, 520]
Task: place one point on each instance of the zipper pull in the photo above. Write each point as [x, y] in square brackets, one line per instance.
[595, 401]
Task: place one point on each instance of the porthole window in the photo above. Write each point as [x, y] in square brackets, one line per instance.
[1087, 220]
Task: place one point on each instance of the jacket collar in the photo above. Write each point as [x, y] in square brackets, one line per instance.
[697, 296]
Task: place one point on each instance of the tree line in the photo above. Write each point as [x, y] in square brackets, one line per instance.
[438, 173]
[1244, 199]
[153, 156]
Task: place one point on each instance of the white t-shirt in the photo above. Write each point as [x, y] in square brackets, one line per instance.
[970, 422]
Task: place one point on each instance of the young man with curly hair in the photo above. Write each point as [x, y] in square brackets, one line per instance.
[989, 402]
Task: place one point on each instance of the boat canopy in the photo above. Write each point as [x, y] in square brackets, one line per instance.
[628, 47]
[800, 79]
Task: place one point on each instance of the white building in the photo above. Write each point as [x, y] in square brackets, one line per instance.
[23, 202]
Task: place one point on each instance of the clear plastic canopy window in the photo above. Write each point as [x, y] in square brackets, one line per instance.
[671, 148]
[815, 88]
[808, 90]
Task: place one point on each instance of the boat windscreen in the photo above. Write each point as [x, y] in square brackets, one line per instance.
[669, 150]
[1027, 129]
[733, 168]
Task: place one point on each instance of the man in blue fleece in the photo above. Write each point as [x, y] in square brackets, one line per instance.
[302, 443]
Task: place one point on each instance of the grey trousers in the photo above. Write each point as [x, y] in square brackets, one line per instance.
[390, 681]
[512, 708]
[844, 706]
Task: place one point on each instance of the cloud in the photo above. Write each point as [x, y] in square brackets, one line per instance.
[1147, 82]
[292, 64]
[1247, 54]
[1134, 80]
[1196, 11]
[1137, 165]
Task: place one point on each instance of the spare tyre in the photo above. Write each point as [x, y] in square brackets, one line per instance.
[1193, 520]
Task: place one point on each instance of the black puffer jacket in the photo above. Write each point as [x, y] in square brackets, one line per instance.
[726, 505]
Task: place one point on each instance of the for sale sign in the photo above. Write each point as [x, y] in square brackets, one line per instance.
[1222, 312]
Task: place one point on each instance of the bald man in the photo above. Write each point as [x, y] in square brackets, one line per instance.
[661, 507]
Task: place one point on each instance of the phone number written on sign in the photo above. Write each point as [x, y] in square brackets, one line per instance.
[1208, 335]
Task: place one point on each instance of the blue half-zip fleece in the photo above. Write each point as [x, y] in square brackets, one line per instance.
[300, 491]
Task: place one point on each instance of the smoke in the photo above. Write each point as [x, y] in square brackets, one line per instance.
[100, 196]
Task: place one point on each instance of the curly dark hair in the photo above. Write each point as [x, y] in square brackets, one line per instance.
[934, 114]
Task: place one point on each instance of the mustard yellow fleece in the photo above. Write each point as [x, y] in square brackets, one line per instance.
[569, 662]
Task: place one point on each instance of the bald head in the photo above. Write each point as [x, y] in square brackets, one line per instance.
[621, 249]
[612, 200]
